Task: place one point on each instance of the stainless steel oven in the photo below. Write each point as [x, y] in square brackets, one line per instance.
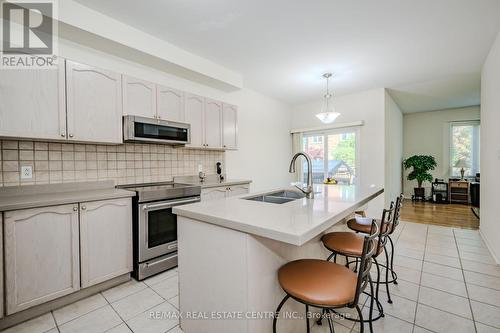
[158, 227]
[155, 226]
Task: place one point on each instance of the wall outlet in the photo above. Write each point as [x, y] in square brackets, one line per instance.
[26, 172]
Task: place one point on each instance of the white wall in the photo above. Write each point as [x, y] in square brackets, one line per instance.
[428, 133]
[264, 123]
[368, 106]
[490, 150]
[265, 144]
[393, 148]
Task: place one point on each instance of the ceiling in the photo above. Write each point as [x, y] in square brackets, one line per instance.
[429, 53]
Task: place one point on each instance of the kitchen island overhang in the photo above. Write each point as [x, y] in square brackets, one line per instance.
[231, 249]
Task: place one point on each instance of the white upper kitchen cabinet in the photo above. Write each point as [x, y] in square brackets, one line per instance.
[194, 112]
[105, 240]
[32, 103]
[94, 104]
[229, 126]
[213, 121]
[170, 104]
[41, 255]
[139, 97]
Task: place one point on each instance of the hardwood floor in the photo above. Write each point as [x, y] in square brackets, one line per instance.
[449, 215]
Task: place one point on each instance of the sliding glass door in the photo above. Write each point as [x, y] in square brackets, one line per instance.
[334, 154]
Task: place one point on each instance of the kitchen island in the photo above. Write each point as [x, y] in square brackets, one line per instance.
[230, 251]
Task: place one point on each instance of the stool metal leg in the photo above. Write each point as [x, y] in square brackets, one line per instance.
[370, 318]
[389, 300]
[307, 319]
[276, 314]
[362, 327]
[394, 276]
[330, 324]
[379, 305]
[319, 322]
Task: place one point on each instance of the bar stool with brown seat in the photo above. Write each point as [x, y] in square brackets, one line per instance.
[354, 225]
[350, 245]
[327, 285]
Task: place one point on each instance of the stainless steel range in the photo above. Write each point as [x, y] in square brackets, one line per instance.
[155, 226]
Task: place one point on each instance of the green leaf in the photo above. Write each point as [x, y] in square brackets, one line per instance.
[421, 165]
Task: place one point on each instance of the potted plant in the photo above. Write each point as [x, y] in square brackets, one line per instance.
[421, 165]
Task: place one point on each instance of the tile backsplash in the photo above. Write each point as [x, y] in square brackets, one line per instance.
[53, 162]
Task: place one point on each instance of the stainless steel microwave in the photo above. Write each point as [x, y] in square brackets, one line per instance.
[142, 129]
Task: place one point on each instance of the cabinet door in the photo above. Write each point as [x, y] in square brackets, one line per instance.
[41, 255]
[213, 193]
[32, 103]
[105, 240]
[170, 104]
[139, 97]
[229, 126]
[236, 190]
[94, 104]
[213, 120]
[194, 110]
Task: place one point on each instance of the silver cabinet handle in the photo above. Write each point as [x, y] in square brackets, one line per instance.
[63, 134]
[71, 135]
[84, 207]
[75, 209]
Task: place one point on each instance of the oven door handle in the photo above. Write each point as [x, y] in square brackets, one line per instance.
[169, 204]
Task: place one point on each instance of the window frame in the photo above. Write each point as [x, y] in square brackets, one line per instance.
[343, 130]
[475, 145]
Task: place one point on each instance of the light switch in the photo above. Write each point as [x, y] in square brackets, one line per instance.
[26, 172]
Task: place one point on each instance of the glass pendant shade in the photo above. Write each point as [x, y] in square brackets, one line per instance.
[327, 114]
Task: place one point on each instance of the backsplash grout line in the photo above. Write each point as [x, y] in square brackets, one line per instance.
[126, 163]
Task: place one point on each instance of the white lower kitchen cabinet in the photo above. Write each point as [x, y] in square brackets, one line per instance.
[105, 240]
[41, 255]
[222, 192]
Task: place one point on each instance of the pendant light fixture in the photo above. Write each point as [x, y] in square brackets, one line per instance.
[327, 114]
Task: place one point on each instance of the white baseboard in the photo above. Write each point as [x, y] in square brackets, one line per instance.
[488, 246]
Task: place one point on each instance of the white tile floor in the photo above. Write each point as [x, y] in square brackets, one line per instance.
[123, 309]
[448, 282]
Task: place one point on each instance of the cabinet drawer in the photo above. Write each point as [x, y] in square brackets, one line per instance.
[460, 185]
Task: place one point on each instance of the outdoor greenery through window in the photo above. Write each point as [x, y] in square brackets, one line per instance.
[333, 155]
[464, 148]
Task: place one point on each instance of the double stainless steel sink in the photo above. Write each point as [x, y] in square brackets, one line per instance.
[279, 197]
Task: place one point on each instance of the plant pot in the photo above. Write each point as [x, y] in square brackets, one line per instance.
[419, 192]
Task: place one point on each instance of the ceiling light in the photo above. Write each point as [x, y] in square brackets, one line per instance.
[327, 114]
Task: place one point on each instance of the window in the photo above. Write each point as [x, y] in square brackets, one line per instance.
[464, 148]
[333, 154]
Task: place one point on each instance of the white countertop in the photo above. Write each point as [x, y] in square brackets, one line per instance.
[32, 196]
[210, 181]
[295, 222]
